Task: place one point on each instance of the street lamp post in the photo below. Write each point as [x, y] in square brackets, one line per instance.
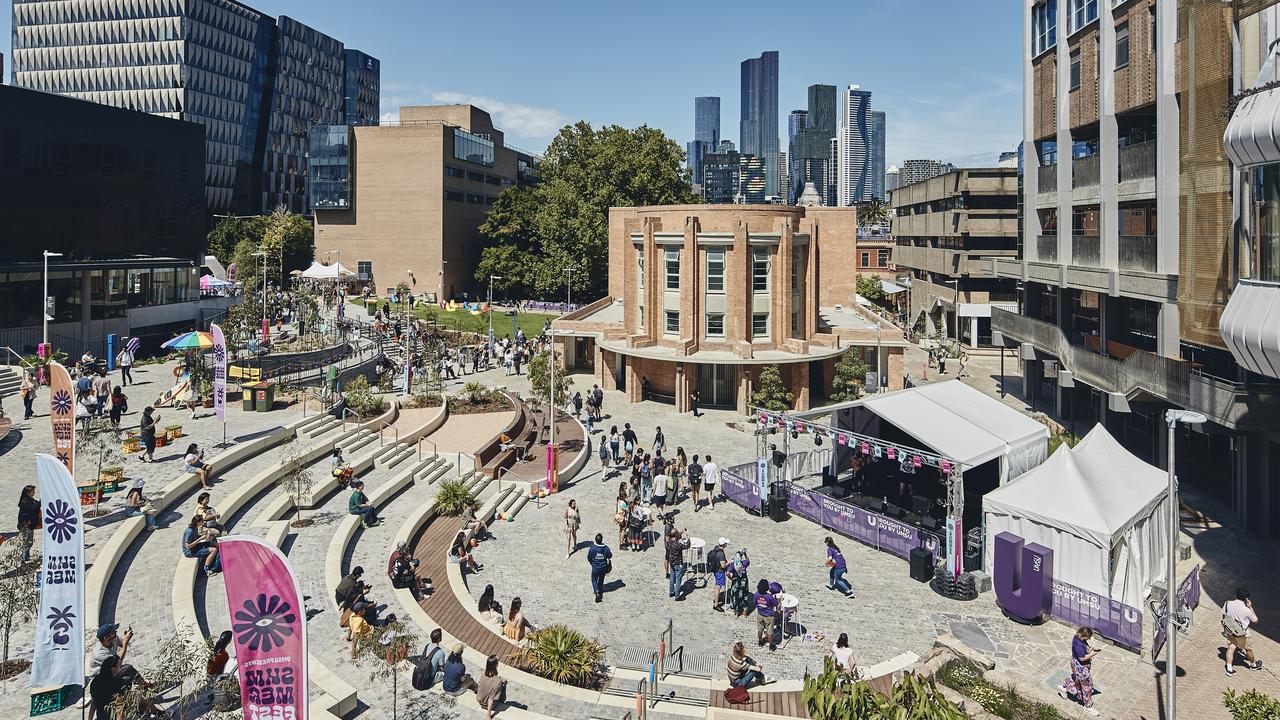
[440, 295]
[489, 340]
[44, 311]
[955, 308]
[568, 291]
[1172, 418]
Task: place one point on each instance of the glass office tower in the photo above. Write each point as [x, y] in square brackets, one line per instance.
[758, 125]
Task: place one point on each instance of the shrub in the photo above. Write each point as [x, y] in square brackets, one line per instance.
[1251, 705]
[453, 498]
[827, 697]
[476, 392]
[361, 398]
[966, 678]
[564, 655]
[772, 395]
[850, 372]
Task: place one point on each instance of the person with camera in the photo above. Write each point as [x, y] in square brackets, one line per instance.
[1237, 616]
[1079, 684]
[676, 544]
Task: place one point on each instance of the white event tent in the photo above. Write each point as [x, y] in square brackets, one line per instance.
[319, 271]
[1103, 512]
[963, 424]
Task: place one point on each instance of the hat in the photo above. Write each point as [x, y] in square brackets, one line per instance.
[723, 542]
[105, 630]
[775, 587]
[457, 648]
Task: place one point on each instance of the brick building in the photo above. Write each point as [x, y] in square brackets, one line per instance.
[705, 296]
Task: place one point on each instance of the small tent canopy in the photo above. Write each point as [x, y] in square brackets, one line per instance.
[318, 271]
[1103, 512]
[964, 424]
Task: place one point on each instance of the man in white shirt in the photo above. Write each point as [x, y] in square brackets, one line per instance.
[125, 361]
[710, 477]
[1238, 615]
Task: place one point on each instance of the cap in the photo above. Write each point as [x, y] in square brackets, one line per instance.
[457, 648]
[723, 542]
[105, 630]
[775, 587]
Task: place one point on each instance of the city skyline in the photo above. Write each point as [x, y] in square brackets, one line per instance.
[930, 115]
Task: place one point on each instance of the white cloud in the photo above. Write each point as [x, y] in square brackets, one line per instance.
[517, 119]
[390, 118]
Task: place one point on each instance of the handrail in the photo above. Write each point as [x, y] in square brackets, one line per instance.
[348, 411]
[510, 471]
[387, 424]
[435, 451]
[642, 699]
[21, 359]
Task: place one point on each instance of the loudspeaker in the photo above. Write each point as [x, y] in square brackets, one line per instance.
[892, 510]
[921, 565]
[920, 504]
[778, 507]
[972, 560]
[828, 478]
[929, 522]
[875, 505]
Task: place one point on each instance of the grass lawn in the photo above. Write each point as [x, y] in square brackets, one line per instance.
[464, 321]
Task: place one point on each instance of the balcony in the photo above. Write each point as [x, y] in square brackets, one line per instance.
[1138, 252]
[1086, 250]
[1047, 178]
[1138, 161]
[1251, 326]
[1047, 248]
[1085, 172]
[1140, 371]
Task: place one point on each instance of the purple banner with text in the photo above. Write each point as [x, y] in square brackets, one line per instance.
[874, 529]
[1108, 618]
[739, 484]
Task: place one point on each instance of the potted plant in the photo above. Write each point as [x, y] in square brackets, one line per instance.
[202, 379]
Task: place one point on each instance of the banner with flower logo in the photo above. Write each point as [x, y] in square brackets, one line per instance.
[62, 413]
[269, 625]
[60, 629]
[219, 372]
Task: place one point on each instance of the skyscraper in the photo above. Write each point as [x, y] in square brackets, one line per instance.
[784, 177]
[891, 178]
[706, 134]
[758, 127]
[796, 122]
[361, 89]
[813, 144]
[855, 184]
[877, 155]
[914, 171]
[256, 83]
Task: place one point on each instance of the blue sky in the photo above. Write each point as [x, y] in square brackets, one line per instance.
[946, 73]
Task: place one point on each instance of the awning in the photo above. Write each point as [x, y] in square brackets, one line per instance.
[891, 288]
[1253, 133]
[319, 271]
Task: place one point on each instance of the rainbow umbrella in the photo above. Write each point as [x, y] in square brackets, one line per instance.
[190, 341]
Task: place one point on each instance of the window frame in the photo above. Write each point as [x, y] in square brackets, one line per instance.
[706, 330]
[759, 257]
[1122, 36]
[864, 258]
[716, 256]
[671, 257]
[759, 334]
[668, 316]
[1074, 63]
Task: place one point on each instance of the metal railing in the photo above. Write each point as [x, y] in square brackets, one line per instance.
[435, 451]
[1138, 252]
[510, 471]
[21, 360]
[1085, 171]
[385, 425]
[1047, 248]
[1138, 161]
[1086, 250]
[1047, 175]
[1164, 377]
[347, 412]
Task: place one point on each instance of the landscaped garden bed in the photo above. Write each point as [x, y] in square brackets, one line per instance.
[966, 678]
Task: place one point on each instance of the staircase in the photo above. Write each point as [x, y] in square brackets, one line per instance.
[10, 380]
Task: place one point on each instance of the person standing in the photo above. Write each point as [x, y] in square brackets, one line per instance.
[28, 395]
[572, 521]
[147, 428]
[1237, 616]
[836, 568]
[577, 404]
[716, 564]
[125, 361]
[102, 389]
[695, 481]
[119, 406]
[711, 477]
[599, 401]
[600, 557]
[695, 397]
[621, 511]
[766, 608]
[661, 485]
[615, 442]
[739, 597]
[659, 441]
[631, 442]
[675, 546]
[646, 479]
[28, 519]
[842, 655]
[1079, 684]
[676, 474]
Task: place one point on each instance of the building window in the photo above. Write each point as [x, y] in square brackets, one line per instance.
[759, 325]
[715, 324]
[1080, 13]
[1155, 30]
[715, 271]
[475, 199]
[472, 148]
[882, 257]
[864, 259]
[760, 271]
[1122, 45]
[1266, 256]
[492, 180]
[364, 269]
[1044, 21]
[454, 172]
[673, 322]
[1075, 69]
[673, 269]
[455, 196]
[640, 264]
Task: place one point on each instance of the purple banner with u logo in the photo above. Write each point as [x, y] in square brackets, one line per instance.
[739, 485]
[1111, 619]
[879, 531]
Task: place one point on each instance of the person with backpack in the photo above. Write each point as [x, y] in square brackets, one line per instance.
[429, 669]
[694, 471]
[1237, 616]
[600, 557]
[717, 561]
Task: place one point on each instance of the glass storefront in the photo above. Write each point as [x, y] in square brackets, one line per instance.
[111, 293]
[330, 168]
[1262, 260]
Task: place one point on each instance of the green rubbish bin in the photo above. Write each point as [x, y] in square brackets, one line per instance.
[264, 396]
[246, 391]
[371, 307]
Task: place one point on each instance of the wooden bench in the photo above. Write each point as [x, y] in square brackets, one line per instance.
[524, 434]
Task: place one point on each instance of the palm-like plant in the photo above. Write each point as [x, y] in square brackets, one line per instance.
[873, 213]
[827, 697]
[453, 498]
[564, 655]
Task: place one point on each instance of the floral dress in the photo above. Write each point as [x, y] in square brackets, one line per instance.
[740, 596]
[1079, 684]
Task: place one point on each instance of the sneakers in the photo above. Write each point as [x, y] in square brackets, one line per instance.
[1063, 694]
[1091, 710]
[1257, 664]
[1230, 671]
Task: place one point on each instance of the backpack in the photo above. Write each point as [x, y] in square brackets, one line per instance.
[423, 676]
[737, 695]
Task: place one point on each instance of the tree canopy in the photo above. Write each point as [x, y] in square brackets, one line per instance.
[288, 240]
[537, 232]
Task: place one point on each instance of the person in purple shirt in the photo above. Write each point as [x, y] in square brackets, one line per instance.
[766, 607]
[1079, 685]
[836, 568]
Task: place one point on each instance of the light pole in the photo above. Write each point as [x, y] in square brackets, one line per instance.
[489, 340]
[1172, 418]
[440, 296]
[44, 311]
[551, 361]
[880, 366]
[264, 255]
[568, 291]
[955, 307]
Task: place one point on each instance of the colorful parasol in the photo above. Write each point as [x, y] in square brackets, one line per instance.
[191, 341]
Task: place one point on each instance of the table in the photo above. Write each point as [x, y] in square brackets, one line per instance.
[695, 561]
[789, 606]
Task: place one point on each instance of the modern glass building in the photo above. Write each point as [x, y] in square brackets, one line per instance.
[758, 126]
[720, 172]
[256, 83]
[362, 88]
[796, 122]
[752, 182]
[877, 155]
[812, 145]
[854, 142]
[706, 134]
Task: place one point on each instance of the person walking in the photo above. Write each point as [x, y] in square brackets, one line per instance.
[1237, 616]
[675, 546]
[1079, 684]
[572, 521]
[711, 477]
[577, 404]
[631, 442]
[695, 480]
[28, 519]
[28, 395]
[125, 362]
[659, 441]
[739, 597]
[716, 564]
[695, 397]
[147, 428]
[836, 568]
[615, 442]
[600, 558]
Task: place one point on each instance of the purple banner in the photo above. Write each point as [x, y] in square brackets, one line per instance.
[850, 521]
[1108, 618]
[805, 504]
[744, 491]
[874, 529]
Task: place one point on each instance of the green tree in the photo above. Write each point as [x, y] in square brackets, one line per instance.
[229, 231]
[869, 287]
[873, 213]
[536, 232]
[771, 394]
[19, 599]
[850, 373]
[540, 379]
[287, 239]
